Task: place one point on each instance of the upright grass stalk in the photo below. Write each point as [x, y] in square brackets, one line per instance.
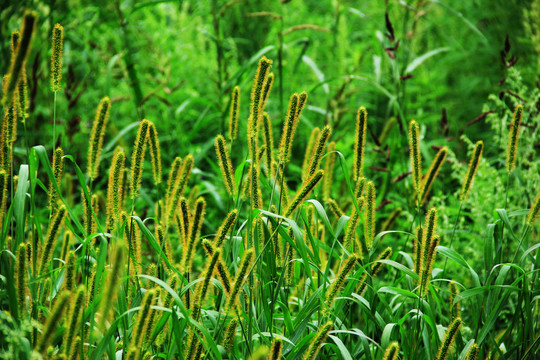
[360, 143]
[416, 158]
[137, 160]
[56, 69]
[225, 164]
[434, 168]
[318, 151]
[369, 224]
[338, 283]
[54, 318]
[155, 153]
[448, 340]
[115, 188]
[234, 113]
[50, 240]
[96, 137]
[317, 341]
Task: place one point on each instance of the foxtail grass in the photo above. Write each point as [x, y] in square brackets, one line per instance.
[334, 289]
[329, 170]
[473, 167]
[50, 240]
[309, 150]
[513, 138]
[304, 192]
[54, 318]
[58, 169]
[360, 143]
[369, 224]
[225, 164]
[234, 113]
[155, 153]
[392, 351]
[416, 157]
[241, 273]
[318, 151]
[18, 59]
[96, 137]
[289, 128]
[318, 340]
[434, 168]
[448, 340]
[137, 160]
[56, 57]
[115, 188]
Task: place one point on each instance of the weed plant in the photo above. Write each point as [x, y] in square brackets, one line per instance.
[279, 257]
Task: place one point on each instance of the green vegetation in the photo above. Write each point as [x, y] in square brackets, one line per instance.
[269, 180]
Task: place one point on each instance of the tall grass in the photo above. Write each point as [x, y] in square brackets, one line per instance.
[277, 270]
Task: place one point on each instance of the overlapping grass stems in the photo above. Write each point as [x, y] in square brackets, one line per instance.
[277, 280]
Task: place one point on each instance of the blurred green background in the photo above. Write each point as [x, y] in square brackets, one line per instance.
[175, 63]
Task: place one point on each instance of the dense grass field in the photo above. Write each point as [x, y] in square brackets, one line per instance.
[270, 180]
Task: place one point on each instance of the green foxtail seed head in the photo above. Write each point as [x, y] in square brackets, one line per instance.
[329, 170]
[87, 209]
[155, 152]
[194, 231]
[267, 88]
[434, 168]
[341, 277]
[392, 351]
[93, 289]
[142, 320]
[18, 59]
[318, 150]
[302, 99]
[179, 186]
[221, 270]
[369, 223]
[350, 233]
[58, 168]
[257, 101]
[202, 288]
[473, 167]
[56, 57]
[137, 159]
[70, 271]
[334, 207]
[225, 227]
[275, 351]
[427, 269]
[360, 142]
[230, 332]
[22, 89]
[377, 265]
[455, 308]
[96, 137]
[309, 150]
[173, 284]
[289, 128]
[115, 188]
[534, 211]
[289, 274]
[66, 243]
[95, 207]
[318, 340]
[74, 321]
[254, 187]
[174, 173]
[52, 231]
[473, 352]
[416, 158]
[449, 337]
[417, 249]
[243, 268]
[9, 125]
[54, 318]
[225, 164]
[21, 279]
[431, 224]
[304, 192]
[269, 144]
[233, 115]
[184, 220]
[513, 138]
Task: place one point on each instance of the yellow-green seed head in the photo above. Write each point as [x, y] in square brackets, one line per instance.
[318, 340]
[369, 224]
[234, 112]
[155, 153]
[137, 160]
[392, 351]
[473, 167]
[96, 137]
[56, 57]
[434, 168]
[360, 142]
[513, 138]
[416, 158]
[225, 164]
[534, 211]
[304, 192]
[448, 340]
